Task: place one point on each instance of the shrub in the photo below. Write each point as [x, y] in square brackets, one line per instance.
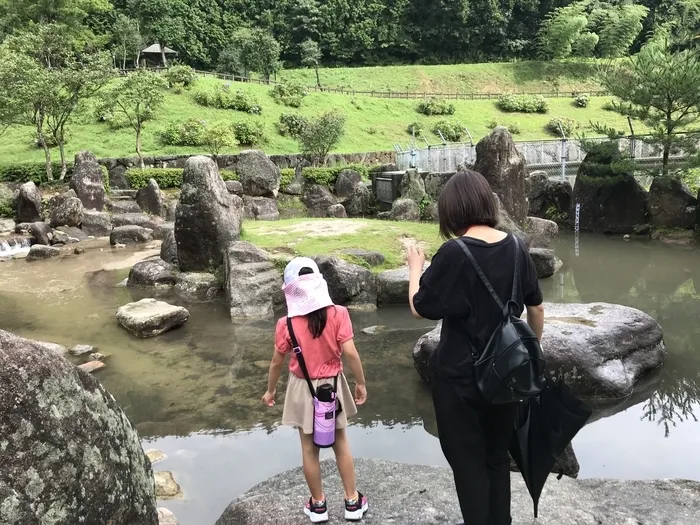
[287, 177]
[434, 106]
[249, 133]
[289, 94]
[568, 125]
[192, 132]
[165, 177]
[513, 128]
[582, 100]
[223, 97]
[31, 171]
[218, 137]
[451, 130]
[523, 104]
[7, 211]
[328, 176]
[493, 124]
[321, 134]
[291, 124]
[691, 178]
[415, 128]
[182, 76]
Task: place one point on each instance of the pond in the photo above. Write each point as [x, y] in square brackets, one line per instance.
[194, 393]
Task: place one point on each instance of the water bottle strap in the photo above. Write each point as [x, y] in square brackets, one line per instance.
[300, 357]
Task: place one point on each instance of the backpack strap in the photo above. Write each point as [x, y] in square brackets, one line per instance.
[300, 357]
[516, 273]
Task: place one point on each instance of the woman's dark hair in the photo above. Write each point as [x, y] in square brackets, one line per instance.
[466, 200]
[317, 319]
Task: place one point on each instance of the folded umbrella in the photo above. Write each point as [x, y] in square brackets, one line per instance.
[545, 427]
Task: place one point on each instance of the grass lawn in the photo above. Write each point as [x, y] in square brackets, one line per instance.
[373, 124]
[309, 237]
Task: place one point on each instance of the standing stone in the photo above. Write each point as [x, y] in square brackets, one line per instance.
[548, 199]
[117, 178]
[259, 176]
[318, 198]
[150, 199]
[97, 223]
[540, 231]
[42, 233]
[405, 210]
[671, 205]
[170, 211]
[346, 183]
[69, 213]
[360, 202]
[412, 186]
[150, 318]
[507, 224]
[168, 250]
[504, 167]
[70, 454]
[207, 220]
[435, 182]
[29, 203]
[88, 181]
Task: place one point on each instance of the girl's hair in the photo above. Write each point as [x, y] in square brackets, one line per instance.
[466, 200]
[317, 319]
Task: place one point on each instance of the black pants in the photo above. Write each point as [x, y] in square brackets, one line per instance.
[475, 437]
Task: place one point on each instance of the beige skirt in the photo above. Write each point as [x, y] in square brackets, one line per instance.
[298, 404]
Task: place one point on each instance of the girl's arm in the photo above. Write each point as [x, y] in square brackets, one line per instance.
[353, 358]
[273, 377]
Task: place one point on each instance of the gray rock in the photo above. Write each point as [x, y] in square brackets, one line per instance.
[166, 486]
[150, 199]
[546, 262]
[136, 219]
[74, 234]
[433, 499]
[504, 167]
[392, 286]
[117, 178]
[152, 272]
[348, 284]
[96, 223]
[168, 250]
[262, 208]
[540, 231]
[170, 211]
[430, 212]
[603, 350]
[435, 182]
[359, 203]
[346, 183]
[79, 250]
[548, 198]
[384, 216]
[39, 252]
[208, 219]
[42, 233]
[412, 186]
[671, 205]
[80, 350]
[7, 226]
[405, 210]
[165, 517]
[318, 198]
[197, 287]
[371, 258]
[253, 284]
[68, 213]
[234, 187]
[29, 203]
[70, 454]
[129, 235]
[88, 181]
[336, 211]
[259, 176]
[150, 318]
[163, 230]
[508, 225]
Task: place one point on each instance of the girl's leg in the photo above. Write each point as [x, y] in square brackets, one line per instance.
[346, 464]
[312, 466]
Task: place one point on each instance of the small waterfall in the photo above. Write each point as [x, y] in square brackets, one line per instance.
[13, 246]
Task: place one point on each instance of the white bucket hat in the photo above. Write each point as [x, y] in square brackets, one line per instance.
[304, 293]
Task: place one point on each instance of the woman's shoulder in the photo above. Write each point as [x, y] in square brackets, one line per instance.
[339, 311]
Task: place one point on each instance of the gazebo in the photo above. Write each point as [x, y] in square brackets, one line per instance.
[154, 54]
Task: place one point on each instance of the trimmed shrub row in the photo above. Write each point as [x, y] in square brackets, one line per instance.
[287, 177]
[328, 176]
[36, 173]
[223, 97]
[435, 106]
[523, 104]
[165, 177]
[195, 132]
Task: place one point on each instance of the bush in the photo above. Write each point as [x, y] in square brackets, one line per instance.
[513, 128]
[165, 177]
[7, 211]
[451, 130]
[523, 104]
[568, 125]
[582, 100]
[415, 128]
[31, 171]
[328, 176]
[225, 98]
[434, 106]
[289, 94]
[287, 177]
[321, 134]
[691, 178]
[249, 133]
[182, 76]
[291, 124]
[192, 132]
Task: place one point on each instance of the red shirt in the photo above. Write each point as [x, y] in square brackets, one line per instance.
[322, 355]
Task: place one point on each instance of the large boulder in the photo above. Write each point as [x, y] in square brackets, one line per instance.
[29, 203]
[208, 219]
[412, 186]
[548, 198]
[119, 207]
[150, 199]
[234, 187]
[68, 213]
[168, 250]
[136, 219]
[431, 492]
[405, 210]
[261, 208]
[671, 205]
[197, 287]
[97, 223]
[88, 181]
[337, 211]
[70, 454]
[368, 257]
[359, 203]
[435, 182]
[42, 233]
[602, 350]
[152, 272]
[163, 230]
[346, 183]
[546, 262]
[504, 167]
[540, 231]
[253, 283]
[129, 235]
[507, 224]
[117, 178]
[259, 176]
[348, 284]
[150, 318]
[39, 252]
[392, 287]
[317, 198]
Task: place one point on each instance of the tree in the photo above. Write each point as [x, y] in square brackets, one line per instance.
[265, 54]
[251, 51]
[218, 137]
[161, 20]
[311, 56]
[662, 89]
[321, 134]
[137, 98]
[127, 39]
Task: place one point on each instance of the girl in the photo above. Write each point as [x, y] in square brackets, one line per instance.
[324, 333]
[474, 435]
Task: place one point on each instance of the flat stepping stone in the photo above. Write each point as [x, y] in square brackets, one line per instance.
[92, 366]
[166, 486]
[150, 318]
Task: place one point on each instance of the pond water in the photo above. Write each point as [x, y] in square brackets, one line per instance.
[195, 392]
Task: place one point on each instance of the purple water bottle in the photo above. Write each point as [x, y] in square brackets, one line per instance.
[325, 405]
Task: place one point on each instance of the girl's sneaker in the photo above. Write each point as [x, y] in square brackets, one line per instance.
[317, 512]
[355, 509]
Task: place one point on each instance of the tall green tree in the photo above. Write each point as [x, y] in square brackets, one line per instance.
[265, 51]
[311, 57]
[160, 20]
[126, 40]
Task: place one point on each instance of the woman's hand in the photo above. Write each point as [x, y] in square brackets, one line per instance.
[269, 398]
[360, 394]
[415, 257]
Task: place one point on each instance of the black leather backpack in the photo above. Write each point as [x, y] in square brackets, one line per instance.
[511, 366]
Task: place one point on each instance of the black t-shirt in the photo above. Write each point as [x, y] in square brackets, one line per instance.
[452, 291]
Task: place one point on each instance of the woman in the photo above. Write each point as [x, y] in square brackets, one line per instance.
[474, 435]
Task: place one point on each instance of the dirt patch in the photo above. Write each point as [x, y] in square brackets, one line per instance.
[329, 228]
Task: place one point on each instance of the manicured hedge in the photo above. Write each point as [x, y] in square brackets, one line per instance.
[288, 175]
[165, 177]
[328, 176]
[31, 171]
